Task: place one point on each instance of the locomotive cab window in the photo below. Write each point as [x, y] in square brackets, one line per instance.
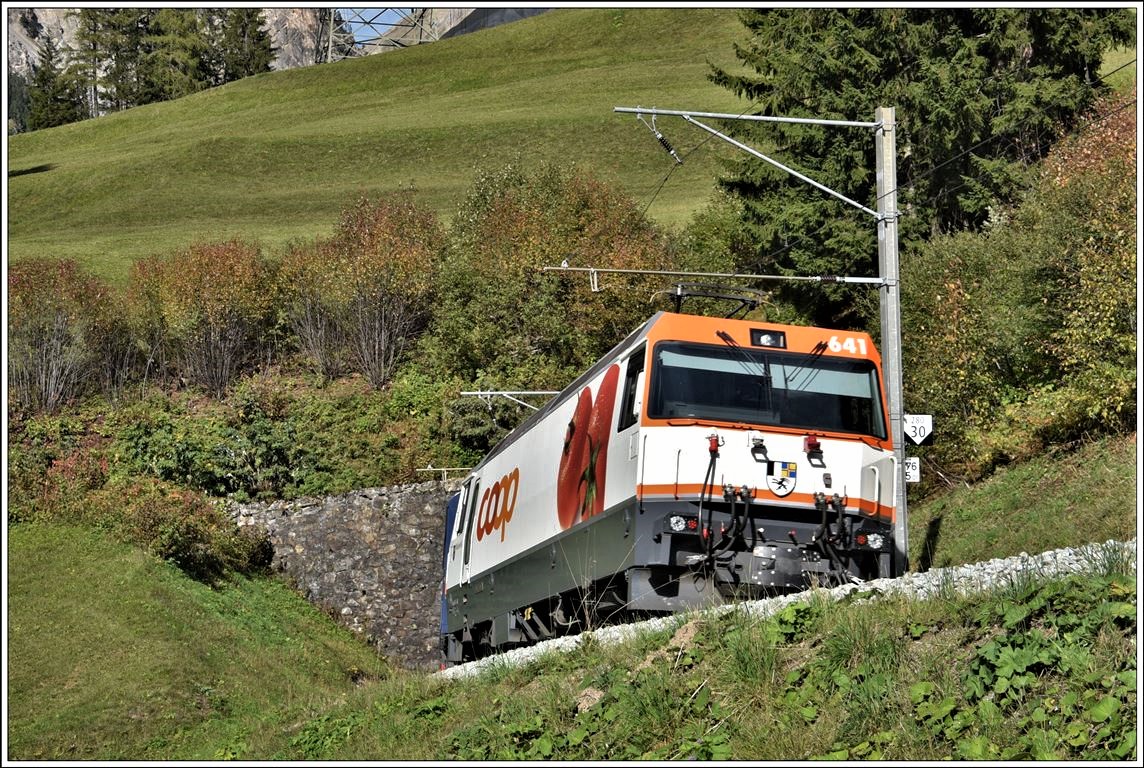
[633, 390]
[474, 485]
[766, 387]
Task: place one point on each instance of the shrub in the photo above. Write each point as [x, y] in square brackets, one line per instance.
[209, 308]
[358, 297]
[246, 447]
[182, 527]
[311, 284]
[144, 302]
[54, 460]
[64, 473]
[1096, 342]
[500, 318]
[265, 457]
[1025, 335]
[66, 334]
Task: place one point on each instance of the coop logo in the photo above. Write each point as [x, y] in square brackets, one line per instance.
[497, 505]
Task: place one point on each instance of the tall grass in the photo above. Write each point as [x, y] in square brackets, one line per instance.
[1087, 495]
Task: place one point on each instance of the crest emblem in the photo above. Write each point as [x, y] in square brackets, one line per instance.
[781, 477]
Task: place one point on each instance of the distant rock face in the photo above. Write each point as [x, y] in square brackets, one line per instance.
[295, 33]
[27, 26]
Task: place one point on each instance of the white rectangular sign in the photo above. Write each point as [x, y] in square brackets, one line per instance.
[913, 469]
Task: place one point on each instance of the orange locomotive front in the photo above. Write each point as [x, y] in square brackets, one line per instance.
[703, 459]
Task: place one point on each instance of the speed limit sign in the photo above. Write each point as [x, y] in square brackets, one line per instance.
[918, 428]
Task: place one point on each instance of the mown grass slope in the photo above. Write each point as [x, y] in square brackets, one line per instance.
[276, 157]
[113, 654]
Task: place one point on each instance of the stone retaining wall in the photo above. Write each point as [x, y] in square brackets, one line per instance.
[370, 558]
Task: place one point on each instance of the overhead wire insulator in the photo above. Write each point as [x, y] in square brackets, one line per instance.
[667, 145]
[660, 138]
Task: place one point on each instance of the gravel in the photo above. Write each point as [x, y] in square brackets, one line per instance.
[938, 582]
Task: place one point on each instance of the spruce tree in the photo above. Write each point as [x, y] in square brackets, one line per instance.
[124, 32]
[246, 47]
[980, 95]
[55, 97]
[174, 60]
[212, 25]
[89, 54]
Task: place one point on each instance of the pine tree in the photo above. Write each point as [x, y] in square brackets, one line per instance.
[55, 97]
[174, 60]
[124, 32]
[89, 55]
[246, 47]
[979, 94]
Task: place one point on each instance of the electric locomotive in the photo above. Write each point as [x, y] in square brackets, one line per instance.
[702, 460]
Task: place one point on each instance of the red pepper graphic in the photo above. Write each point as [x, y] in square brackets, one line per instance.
[571, 487]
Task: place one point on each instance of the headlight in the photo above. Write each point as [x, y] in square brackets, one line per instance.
[677, 523]
[764, 337]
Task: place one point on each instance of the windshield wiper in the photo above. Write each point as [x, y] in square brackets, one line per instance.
[765, 365]
[809, 366]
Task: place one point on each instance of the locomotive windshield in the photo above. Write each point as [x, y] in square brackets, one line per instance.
[766, 387]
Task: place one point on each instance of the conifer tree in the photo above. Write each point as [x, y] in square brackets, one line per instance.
[89, 54]
[55, 97]
[174, 58]
[980, 95]
[17, 103]
[123, 80]
[245, 47]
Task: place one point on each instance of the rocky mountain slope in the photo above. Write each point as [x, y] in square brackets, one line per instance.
[295, 32]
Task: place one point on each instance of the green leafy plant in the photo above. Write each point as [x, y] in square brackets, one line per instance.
[323, 735]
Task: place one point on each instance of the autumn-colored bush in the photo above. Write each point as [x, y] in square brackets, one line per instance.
[311, 281]
[501, 317]
[357, 298]
[183, 527]
[500, 322]
[70, 469]
[1096, 341]
[209, 310]
[1024, 336]
[66, 334]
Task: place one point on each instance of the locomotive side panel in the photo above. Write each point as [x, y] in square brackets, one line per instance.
[563, 471]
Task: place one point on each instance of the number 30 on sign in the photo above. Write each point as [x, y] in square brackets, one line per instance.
[918, 428]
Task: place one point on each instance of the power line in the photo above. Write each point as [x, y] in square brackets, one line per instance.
[967, 180]
[688, 154]
[1023, 155]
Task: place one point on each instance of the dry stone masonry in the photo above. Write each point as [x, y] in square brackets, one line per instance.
[370, 558]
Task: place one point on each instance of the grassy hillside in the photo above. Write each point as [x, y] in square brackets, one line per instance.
[277, 156]
[113, 655]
